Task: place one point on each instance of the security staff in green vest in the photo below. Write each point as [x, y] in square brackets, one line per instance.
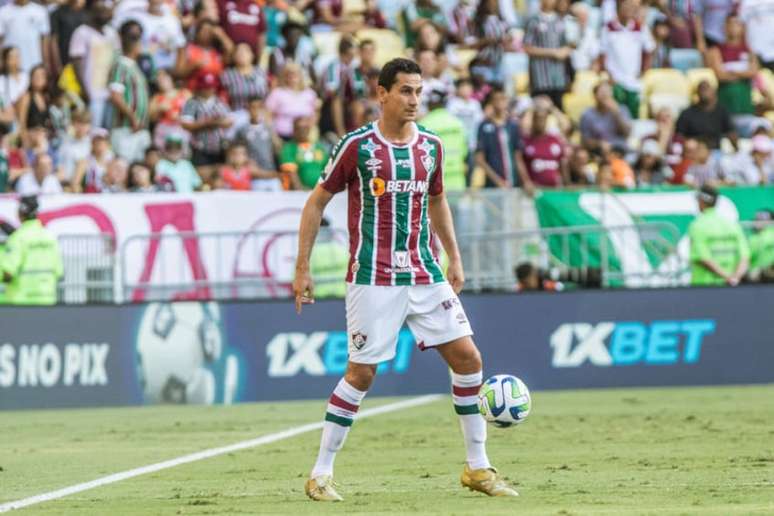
[328, 264]
[719, 250]
[31, 264]
[5, 231]
[452, 133]
[762, 247]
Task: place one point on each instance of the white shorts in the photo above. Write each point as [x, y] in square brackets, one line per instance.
[376, 313]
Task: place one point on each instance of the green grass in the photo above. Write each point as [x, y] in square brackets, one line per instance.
[646, 451]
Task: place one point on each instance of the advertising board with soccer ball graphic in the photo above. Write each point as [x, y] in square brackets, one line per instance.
[213, 353]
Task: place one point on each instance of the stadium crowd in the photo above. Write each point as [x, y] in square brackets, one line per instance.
[184, 95]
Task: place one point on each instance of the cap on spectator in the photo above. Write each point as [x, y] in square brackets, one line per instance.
[99, 132]
[207, 81]
[173, 140]
[708, 194]
[651, 147]
[761, 144]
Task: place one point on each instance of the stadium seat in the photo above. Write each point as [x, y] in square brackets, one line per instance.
[388, 43]
[521, 83]
[464, 57]
[665, 81]
[696, 75]
[575, 104]
[684, 59]
[675, 103]
[327, 43]
[353, 7]
[584, 82]
[765, 81]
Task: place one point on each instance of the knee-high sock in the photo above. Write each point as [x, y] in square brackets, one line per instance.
[465, 395]
[342, 407]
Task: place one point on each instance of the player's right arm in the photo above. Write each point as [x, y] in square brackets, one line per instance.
[303, 288]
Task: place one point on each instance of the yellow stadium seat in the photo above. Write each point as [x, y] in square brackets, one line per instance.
[696, 75]
[351, 7]
[388, 43]
[766, 76]
[665, 81]
[575, 104]
[465, 56]
[327, 43]
[585, 81]
[521, 83]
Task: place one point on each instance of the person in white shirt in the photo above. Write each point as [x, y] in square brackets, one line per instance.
[758, 17]
[755, 167]
[41, 179]
[162, 33]
[14, 81]
[468, 110]
[25, 25]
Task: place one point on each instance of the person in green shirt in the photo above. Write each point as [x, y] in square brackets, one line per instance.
[31, 264]
[762, 247]
[301, 159]
[719, 250]
[452, 133]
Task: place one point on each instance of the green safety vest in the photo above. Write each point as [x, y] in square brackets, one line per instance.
[452, 133]
[32, 259]
[762, 249]
[715, 238]
[328, 266]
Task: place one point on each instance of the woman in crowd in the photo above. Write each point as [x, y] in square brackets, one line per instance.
[206, 54]
[13, 81]
[290, 100]
[243, 81]
[34, 105]
[165, 108]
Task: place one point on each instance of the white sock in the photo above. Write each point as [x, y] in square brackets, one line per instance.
[342, 407]
[465, 395]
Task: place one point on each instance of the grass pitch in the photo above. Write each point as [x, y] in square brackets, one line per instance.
[647, 451]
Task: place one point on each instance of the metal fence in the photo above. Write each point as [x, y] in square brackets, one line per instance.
[89, 268]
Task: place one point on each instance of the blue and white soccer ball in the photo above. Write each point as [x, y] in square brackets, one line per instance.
[504, 400]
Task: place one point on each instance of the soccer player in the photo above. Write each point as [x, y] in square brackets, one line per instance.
[392, 171]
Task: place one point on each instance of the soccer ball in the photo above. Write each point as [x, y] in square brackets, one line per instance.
[176, 344]
[504, 400]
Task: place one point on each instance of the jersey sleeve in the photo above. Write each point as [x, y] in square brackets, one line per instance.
[436, 182]
[341, 167]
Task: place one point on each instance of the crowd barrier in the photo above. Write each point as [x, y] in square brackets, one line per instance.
[192, 352]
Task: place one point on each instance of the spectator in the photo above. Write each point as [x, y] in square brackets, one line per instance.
[206, 117]
[546, 45]
[342, 84]
[152, 158]
[244, 80]
[162, 34]
[298, 48]
[557, 122]
[177, 170]
[706, 119]
[679, 17]
[626, 50]
[621, 171]
[327, 14]
[88, 176]
[41, 179]
[290, 100]
[461, 23]
[24, 25]
[758, 17]
[499, 146]
[431, 78]
[669, 143]
[418, 13]
[606, 123]
[762, 247]
[13, 81]
[663, 48]
[463, 106]
[5, 169]
[237, 173]
[528, 278]
[302, 159]
[704, 169]
[205, 54]
[33, 107]
[544, 154]
[129, 98]
[719, 250]
[75, 149]
[687, 158]
[92, 47]
[493, 40]
[452, 133]
[735, 66]
[367, 109]
[755, 167]
[141, 179]
[585, 55]
[708, 19]
[261, 141]
[650, 169]
[116, 177]
[244, 21]
[580, 170]
[165, 109]
[65, 19]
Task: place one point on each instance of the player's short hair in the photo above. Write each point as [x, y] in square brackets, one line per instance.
[389, 74]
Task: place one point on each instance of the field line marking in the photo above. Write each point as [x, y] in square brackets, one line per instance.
[209, 453]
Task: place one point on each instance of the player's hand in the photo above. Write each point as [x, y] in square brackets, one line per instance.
[303, 288]
[455, 276]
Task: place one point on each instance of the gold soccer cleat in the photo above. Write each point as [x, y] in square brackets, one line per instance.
[322, 489]
[486, 481]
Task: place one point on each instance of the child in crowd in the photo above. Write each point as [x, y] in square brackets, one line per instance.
[705, 169]
[176, 170]
[166, 107]
[661, 34]
[141, 179]
[89, 173]
[75, 149]
[260, 138]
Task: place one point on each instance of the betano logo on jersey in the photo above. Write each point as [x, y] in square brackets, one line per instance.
[627, 343]
[379, 186]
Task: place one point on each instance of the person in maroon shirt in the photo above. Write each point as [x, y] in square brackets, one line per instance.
[544, 153]
[244, 22]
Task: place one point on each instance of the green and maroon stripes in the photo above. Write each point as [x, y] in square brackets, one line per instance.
[403, 172]
[465, 399]
[340, 411]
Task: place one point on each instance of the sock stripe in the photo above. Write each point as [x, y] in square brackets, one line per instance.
[341, 421]
[337, 401]
[465, 410]
[465, 391]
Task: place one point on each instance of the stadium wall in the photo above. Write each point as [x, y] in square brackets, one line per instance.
[229, 352]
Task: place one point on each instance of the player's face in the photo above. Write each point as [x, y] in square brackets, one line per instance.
[402, 100]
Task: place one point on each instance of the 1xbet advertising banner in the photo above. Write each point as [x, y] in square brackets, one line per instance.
[208, 353]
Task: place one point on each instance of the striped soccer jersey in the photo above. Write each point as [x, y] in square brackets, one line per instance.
[387, 187]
